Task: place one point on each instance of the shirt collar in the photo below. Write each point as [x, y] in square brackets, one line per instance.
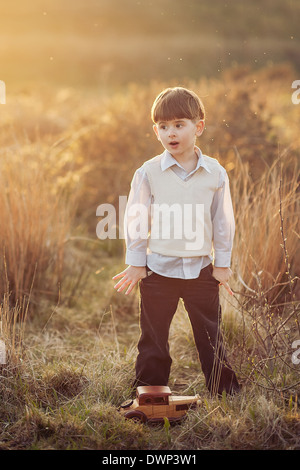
[168, 160]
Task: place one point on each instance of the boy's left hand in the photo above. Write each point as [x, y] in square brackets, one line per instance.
[223, 275]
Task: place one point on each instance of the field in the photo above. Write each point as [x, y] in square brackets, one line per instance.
[73, 130]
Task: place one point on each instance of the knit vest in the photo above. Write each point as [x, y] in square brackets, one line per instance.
[181, 222]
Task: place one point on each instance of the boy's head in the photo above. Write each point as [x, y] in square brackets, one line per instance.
[178, 115]
[177, 103]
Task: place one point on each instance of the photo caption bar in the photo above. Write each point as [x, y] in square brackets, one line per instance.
[141, 458]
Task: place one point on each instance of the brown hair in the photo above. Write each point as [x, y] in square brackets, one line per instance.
[177, 103]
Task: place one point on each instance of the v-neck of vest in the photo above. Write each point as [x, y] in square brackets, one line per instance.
[190, 181]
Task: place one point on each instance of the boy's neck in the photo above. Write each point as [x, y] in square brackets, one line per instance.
[187, 160]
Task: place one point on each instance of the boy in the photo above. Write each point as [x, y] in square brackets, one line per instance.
[172, 267]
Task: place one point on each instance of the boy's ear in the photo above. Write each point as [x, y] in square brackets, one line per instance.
[156, 131]
[200, 127]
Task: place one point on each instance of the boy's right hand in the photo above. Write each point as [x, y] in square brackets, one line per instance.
[130, 277]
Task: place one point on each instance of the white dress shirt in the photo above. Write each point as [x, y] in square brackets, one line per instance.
[137, 253]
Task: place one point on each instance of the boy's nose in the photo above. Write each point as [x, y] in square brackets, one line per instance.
[172, 132]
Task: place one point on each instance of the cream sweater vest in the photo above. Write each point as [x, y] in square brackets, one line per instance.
[180, 211]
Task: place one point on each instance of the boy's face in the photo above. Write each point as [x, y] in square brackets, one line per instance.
[179, 135]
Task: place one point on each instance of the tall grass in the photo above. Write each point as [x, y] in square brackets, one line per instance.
[267, 230]
[266, 272]
[36, 219]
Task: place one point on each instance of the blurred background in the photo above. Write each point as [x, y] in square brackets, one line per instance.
[96, 43]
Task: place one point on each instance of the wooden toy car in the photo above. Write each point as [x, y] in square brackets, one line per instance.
[154, 403]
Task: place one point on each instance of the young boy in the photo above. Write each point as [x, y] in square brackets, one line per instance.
[167, 263]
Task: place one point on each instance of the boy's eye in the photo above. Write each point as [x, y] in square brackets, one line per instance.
[164, 126]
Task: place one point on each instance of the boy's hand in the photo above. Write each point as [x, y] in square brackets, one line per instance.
[222, 275]
[130, 277]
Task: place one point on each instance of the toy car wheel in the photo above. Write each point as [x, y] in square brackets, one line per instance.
[137, 416]
[126, 403]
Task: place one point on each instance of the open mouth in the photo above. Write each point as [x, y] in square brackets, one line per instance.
[174, 144]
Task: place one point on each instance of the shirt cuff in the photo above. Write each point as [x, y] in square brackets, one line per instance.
[135, 258]
[222, 259]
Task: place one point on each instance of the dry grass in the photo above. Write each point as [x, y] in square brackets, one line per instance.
[270, 206]
[37, 221]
